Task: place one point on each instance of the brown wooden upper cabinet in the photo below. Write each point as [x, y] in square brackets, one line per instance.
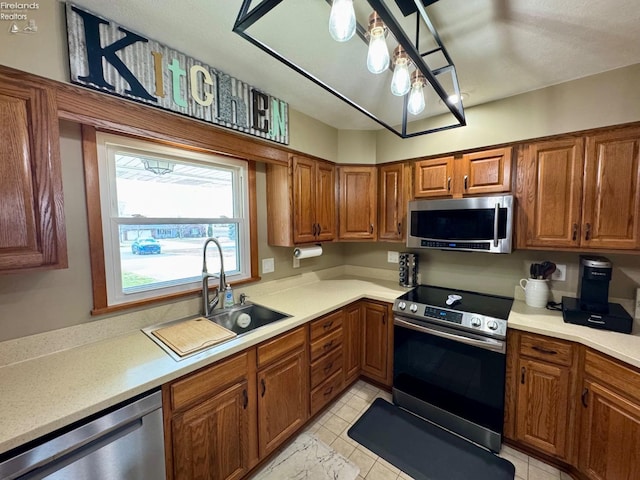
[32, 227]
[487, 171]
[301, 202]
[393, 195]
[580, 192]
[358, 203]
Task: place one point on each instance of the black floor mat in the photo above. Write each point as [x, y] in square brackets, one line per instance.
[423, 450]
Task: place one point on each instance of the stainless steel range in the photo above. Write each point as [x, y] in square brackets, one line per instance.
[449, 359]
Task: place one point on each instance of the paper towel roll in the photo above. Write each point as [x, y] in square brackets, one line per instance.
[308, 252]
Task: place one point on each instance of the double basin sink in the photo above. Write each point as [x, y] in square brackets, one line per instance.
[240, 319]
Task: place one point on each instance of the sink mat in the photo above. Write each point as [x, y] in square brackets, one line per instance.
[192, 335]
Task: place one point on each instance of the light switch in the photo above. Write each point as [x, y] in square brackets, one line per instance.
[392, 257]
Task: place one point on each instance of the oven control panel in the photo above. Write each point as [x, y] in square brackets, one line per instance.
[469, 321]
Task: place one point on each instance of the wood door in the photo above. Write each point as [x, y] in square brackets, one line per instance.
[32, 231]
[210, 440]
[550, 198]
[488, 171]
[325, 201]
[392, 202]
[283, 400]
[304, 194]
[375, 361]
[611, 207]
[351, 346]
[610, 435]
[543, 406]
[358, 203]
[432, 178]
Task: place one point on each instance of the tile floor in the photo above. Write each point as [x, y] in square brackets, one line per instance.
[331, 427]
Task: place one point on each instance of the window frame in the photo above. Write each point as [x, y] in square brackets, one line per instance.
[94, 215]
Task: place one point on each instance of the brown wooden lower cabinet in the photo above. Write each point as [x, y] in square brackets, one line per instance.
[283, 389]
[570, 403]
[352, 343]
[377, 331]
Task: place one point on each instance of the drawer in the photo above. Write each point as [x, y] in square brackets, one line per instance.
[203, 383]
[325, 324]
[608, 371]
[547, 349]
[326, 391]
[326, 343]
[272, 350]
[326, 366]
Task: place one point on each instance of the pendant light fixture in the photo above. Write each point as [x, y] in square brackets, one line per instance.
[401, 27]
[342, 20]
[416, 104]
[378, 52]
[401, 81]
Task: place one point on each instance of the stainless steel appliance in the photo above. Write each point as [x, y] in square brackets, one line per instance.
[408, 269]
[478, 224]
[449, 360]
[125, 443]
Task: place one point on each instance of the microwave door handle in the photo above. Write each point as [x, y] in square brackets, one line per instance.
[495, 225]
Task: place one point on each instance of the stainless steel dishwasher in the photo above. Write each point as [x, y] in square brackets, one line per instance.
[123, 444]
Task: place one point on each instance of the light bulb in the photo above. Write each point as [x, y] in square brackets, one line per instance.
[401, 81]
[415, 104]
[378, 54]
[342, 20]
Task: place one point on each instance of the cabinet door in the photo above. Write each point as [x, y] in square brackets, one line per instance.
[392, 202]
[325, 201]
[351, 345]
[304, 194]
[488, 171]
[358, 203]
[375, 342]
[432, 178]
[32, 218]
[543, 406]
[550, 194]
[283, 396]
[612, 190]
[610, 435]
[210, 440]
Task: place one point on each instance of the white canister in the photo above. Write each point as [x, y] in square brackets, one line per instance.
[536, 292]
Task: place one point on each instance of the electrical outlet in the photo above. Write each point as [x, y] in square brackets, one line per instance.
[392, 257]
[267, 265]
[560, 275]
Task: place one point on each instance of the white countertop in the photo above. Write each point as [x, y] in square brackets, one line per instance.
[43, 394]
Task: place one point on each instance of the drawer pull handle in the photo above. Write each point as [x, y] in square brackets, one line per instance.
[327, 325]
[264, 387]
[587, 233]
[466, 182]
[245, 398]
[522, 373]
[574, 236]
[399, 228]
[583, 397]
[448, 184]
[371, 228]
[328, 391]
[328, 345]
[546, 351]
[328, 367]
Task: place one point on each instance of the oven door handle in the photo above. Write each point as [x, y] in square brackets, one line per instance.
[487, 344]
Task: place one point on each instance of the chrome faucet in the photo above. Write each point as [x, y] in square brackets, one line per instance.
[208, 305]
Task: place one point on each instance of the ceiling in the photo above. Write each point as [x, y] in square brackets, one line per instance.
[500, 47]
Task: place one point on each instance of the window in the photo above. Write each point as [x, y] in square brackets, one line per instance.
[158, 205]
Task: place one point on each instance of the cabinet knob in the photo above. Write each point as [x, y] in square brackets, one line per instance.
[448, 184]
[245, 399]
[522, 374]
[574, 235]
[583, 397]
[371, 228]
[466, 181]
[587, 232]
[264, 387]
[399, 228]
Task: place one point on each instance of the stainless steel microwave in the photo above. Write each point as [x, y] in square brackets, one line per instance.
[478, 224]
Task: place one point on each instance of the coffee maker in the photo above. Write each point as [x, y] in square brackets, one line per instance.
[593, 289]
[592, 307]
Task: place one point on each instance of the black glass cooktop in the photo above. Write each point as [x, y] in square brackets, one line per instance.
[473, 302]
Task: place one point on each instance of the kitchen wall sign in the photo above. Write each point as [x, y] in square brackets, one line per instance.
[108, 57]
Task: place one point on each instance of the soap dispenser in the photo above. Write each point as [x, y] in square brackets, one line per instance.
[228, 297]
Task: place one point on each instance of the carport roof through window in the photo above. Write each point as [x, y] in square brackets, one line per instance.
[159, 204]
